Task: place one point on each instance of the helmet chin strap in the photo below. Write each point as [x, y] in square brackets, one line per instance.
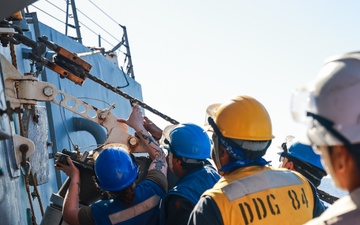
[215, 153]
[170, 159]
[215, 149]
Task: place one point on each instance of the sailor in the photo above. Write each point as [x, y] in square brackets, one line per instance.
[189, 153]
[301, 158]
[332, 112]
[250, 191]
[116, 172]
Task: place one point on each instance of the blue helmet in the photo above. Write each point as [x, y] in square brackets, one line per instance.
[188, 140]
[305, 153]
[115, 170]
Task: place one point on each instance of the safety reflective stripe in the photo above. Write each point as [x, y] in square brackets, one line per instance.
[135, 210]
[259, 182]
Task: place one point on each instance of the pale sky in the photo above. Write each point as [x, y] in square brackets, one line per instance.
[189, 54]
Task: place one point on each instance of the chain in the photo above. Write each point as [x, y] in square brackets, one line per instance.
[133, 100]
[13, 55]
[40, 47]
[326, 196]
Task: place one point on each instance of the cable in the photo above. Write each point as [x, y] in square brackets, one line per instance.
[91, 146]
[104, 12]
[126, 79]
[96, 99]
[95, 33]
[79, 21]
[47, 14]
[56, 6]
[76, 147]
[83, 24]
[97, 24]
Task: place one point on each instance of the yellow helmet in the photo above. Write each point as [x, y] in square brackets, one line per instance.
[243, 117]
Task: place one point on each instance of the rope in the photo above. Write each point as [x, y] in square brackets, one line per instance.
[27, 186]
[37, 192]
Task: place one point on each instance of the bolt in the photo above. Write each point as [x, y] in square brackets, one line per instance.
[48, 91]
[133, 141]
[102, 116]
[23, 148]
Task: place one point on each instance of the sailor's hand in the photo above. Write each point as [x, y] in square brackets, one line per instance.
[135, 119]
[153, 129]
[71, 170]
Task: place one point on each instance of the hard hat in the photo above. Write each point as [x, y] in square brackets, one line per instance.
[306, 154]
[114, 168]
[242, 118]
[187, 140]
[333, 102]
[304, 160]
[243, 126]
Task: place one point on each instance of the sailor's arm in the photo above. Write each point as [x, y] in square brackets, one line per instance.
[157, 155]
[152, 128]
[71, 202]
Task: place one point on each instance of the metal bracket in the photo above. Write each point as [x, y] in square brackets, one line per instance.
[30, 91]
[21, 141]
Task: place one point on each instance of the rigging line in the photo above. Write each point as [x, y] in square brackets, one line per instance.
[37, 192]
[95, 33]
[103, 12]
[65, 23]
[91, 146]
[98, 25]
[63, 122]
[126, 56]
[56, 6]
[48, 14]
[95, 99]
[126, 79]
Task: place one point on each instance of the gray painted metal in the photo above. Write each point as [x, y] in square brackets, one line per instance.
[12, 6]
[36, 129]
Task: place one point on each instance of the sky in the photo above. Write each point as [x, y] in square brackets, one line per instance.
[189, 54]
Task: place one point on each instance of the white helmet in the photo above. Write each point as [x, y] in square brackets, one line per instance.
[332, 102]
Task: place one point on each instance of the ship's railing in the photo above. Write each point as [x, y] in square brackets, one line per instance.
[67, 17]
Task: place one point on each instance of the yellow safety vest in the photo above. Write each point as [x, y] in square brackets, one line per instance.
[263, 195]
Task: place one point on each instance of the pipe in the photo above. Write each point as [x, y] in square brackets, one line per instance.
[82, 124]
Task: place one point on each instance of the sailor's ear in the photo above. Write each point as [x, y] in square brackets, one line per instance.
[222, 151]
[289, 165]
